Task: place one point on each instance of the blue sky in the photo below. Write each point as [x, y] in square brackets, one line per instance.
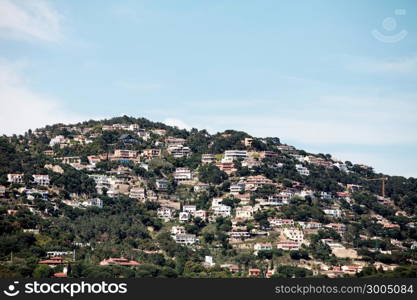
[334, 77]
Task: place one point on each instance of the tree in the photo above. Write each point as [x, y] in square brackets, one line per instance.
[42, 271]
[211, 174]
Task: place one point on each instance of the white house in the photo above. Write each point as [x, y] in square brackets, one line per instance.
[184, 216]
[165, 212]
[189, 208]
[222, 210]
[294, 235]
[137, 193]
[185, 239]
[95, 202]
[41, 179]
[15, 178]
[236, 188]
[334, 212]
[288, 246]
[177, 230]
[302, 170]
[207, 158]
[161, 184]
[182, 174]
[235, 154]
[262, 247]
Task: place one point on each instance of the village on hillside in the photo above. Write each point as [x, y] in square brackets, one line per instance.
[127, 197]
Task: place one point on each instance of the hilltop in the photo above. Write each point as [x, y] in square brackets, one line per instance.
[134, 198]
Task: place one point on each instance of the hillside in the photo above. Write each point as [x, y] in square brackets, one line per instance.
[134, 198]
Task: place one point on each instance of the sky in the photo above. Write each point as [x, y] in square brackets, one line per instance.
[335, 77]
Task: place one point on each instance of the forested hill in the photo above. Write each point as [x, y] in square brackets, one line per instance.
[166, 198]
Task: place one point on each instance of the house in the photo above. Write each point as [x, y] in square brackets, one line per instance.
[177, 230]
[343, 195]
[262, 247]
[235, 154]
[288, 246]
[334, 212]
[2, 190]
[201, 187]
[244, 212]
[41, 179]
[341, 166]
[145, 135]
[248, 142]
[80, 139]
[294, 235]
[102, 182]
[138, 193]
[179, 151]
[285, 148]
[208, 158]
[151, 153]
[93, 159]
[325, 195]
[185, 239]
[15, 178]
[184, 216]
[53, 261]
[390, 226]
[70, 160]
[310, 225]
[182, 174]
[338, 227]
[268, 154]
[32, 193]
[274, 222]
[58, 140]
[254, 272]
[221, 210]
[226, 166]
[159, 131]
[244, 198]
[236, 188]
[208, 261]
[161, 184]
[318, 161]
[124, 155]
[202, 214]
[165, 212]
[302, 170]
[172, 141]
[189, 208]
[274, 200]
[238, 235]
[95, 202]
[351, 270]
[119, 261]
[251, 163]
[253, 182]
[231, 268]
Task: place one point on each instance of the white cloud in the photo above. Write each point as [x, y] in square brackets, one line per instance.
[30, 19]
[178, 123]
[392, 65]
[22, 108]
